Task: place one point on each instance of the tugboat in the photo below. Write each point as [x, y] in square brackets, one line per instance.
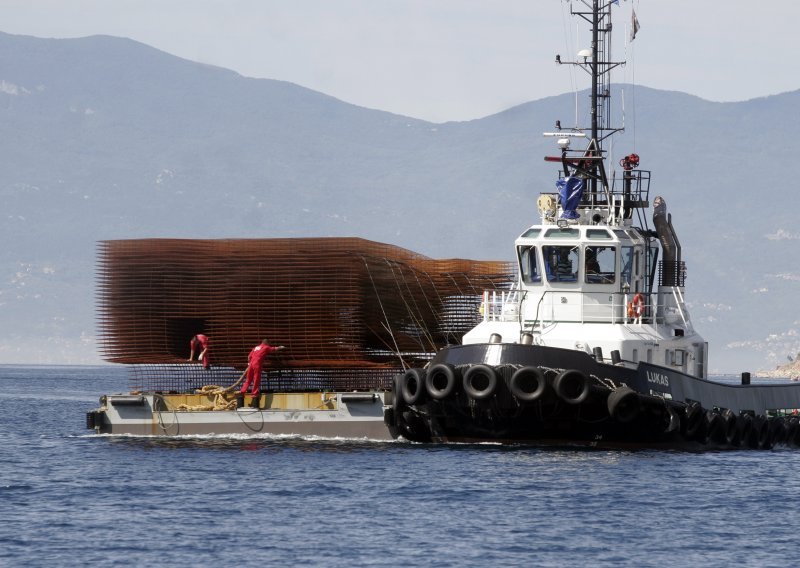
[594, 345]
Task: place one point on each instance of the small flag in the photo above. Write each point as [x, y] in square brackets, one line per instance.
[634, 24]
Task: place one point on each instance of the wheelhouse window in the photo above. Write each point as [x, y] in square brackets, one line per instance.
[528, 265]
[531, 233]
[598, 234]
[561, 263]
[561, 233]
[600, 264]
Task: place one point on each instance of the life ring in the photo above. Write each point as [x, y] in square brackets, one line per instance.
[480, 382]
[636, 306]
[527, 384]
[441, 380]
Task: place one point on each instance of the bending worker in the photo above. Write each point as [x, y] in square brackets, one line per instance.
[200, 342]
[254, 361]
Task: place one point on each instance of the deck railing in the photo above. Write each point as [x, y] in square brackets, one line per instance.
[582, 307]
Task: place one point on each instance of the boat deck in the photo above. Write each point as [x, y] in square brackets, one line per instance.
[325, 414]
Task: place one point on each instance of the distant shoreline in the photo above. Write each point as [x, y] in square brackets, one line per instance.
[790, 372]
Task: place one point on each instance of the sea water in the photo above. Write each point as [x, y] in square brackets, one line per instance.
[69, 497]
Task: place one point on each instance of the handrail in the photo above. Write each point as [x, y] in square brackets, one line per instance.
[680, 302]
[551, 308]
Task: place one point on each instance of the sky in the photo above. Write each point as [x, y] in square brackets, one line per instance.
[442, 60]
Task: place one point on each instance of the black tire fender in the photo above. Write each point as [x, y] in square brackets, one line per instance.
[397, 392]
[763, 440]
[715, 426]
[672, 420]
[777, 431]
[745, 425]
[624, 404]
[693, 420]
[731, 426]
[572, 386]
[758, 437]
[527, 384]
[794, 432]
[480, 382]
[412, 385]
[441, 380]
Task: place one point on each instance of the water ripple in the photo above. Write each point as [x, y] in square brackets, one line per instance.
[68, 496]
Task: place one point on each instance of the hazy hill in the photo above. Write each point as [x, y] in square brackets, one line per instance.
[790, 370]
[108, 138]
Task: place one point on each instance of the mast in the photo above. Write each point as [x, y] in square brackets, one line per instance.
[583, 171]
[594, 69]
[597, 62]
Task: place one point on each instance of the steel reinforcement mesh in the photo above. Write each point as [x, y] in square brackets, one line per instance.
[185, 378]
[337, 304]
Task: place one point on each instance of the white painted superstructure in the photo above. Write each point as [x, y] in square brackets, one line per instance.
[595, 282]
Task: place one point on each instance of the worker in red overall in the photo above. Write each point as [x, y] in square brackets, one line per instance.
[254, 362]
[200, 343]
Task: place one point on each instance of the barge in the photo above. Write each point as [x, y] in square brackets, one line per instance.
[351, 313]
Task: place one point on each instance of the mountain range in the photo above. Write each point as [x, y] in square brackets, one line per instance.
[107, 138]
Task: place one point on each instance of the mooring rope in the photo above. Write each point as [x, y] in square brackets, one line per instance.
[221, 402]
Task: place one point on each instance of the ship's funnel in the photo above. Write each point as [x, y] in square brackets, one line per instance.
[670, 246]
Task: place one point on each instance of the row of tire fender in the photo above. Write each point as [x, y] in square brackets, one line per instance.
[528, 384]
[726, 427]
[625, 405]
[695, 423]
[480, 382]
[723, 427]
[442, 380]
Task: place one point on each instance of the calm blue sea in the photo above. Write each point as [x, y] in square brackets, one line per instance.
[69, 497]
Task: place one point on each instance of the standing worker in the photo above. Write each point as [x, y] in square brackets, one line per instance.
[254, 361]
[200, 342]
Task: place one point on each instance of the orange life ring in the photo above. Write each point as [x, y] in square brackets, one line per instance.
[636, 306]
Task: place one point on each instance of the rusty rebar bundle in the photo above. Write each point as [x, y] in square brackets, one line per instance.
[335, 303]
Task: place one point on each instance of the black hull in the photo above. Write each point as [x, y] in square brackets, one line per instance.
[556, 397]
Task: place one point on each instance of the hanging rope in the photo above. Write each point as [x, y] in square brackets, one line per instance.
[447, 332]
[419, 324]
[385, 317]
[569, 46]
